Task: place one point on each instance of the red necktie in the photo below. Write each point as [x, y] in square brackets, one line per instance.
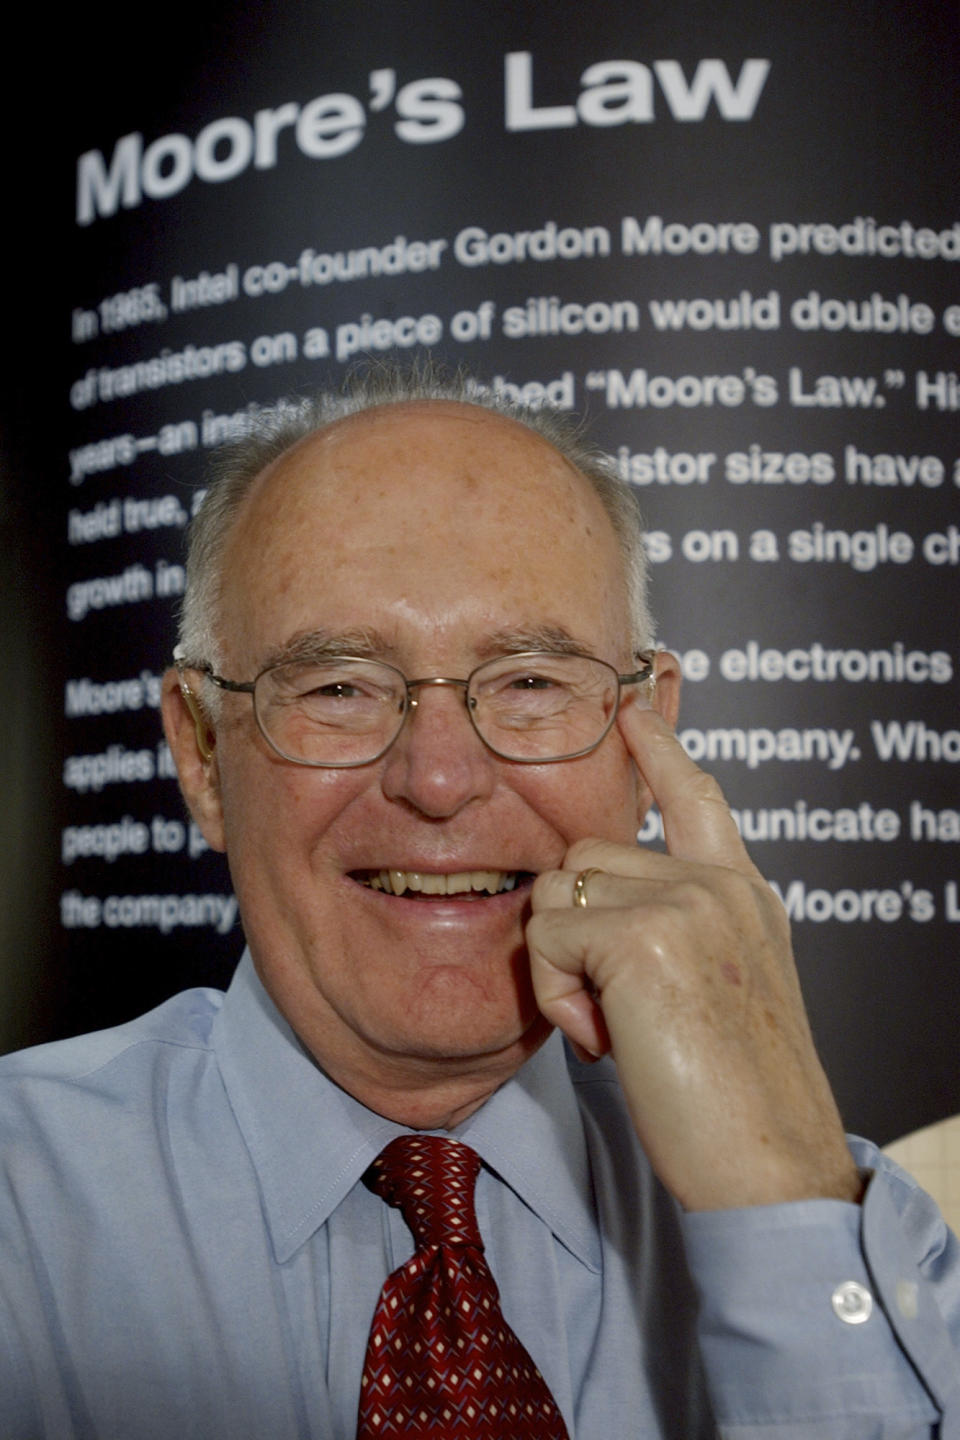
[441, 1359]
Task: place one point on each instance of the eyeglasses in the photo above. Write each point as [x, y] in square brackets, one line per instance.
[342, 710]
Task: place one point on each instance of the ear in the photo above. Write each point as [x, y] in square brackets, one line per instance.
[192, 742]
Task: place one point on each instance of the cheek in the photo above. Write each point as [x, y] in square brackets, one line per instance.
[593, 797]
[278, 811]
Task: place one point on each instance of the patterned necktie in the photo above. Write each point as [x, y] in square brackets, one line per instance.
[441, 1359]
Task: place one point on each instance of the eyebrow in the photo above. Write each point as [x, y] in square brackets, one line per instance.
[535, 637]
[308, 645]
[367, 643]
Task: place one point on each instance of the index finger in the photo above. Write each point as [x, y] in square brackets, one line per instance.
[697, 823]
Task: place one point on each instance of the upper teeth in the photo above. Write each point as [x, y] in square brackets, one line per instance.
[395, 882]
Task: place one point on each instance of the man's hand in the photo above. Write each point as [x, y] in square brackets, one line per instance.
[681, 965]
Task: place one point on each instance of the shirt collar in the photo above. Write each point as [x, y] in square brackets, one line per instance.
[530, 1132]
[310, 1142]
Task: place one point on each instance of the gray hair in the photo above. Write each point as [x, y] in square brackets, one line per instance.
[276, 429]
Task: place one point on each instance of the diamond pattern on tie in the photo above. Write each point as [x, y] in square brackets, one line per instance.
[441, 1359]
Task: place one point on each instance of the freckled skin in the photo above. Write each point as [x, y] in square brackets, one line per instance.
[439, 525]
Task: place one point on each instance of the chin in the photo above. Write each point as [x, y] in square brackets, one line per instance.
[438, 1033]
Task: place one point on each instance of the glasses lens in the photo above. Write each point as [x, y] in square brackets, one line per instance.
[330, 712]
[543, 706]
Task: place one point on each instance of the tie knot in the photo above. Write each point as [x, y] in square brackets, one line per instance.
[430, 1180]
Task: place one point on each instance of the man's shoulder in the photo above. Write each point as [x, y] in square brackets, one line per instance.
[88, 1122]
[184, 1022]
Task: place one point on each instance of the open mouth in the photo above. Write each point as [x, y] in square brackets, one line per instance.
[421, 885]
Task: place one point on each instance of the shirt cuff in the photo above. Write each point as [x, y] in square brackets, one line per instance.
[793, 1329]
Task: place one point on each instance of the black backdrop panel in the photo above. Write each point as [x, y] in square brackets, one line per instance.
[729, 234]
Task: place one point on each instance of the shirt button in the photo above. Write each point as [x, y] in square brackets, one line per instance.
[852, 1302]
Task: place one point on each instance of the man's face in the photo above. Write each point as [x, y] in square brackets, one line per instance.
[432, 536]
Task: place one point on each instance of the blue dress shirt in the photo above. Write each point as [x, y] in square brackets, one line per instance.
[187, 1252]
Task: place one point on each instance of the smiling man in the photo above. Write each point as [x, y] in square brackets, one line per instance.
[417, 706]
[433, 539]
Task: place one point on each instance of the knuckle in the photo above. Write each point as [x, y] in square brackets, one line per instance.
[550, 890]
[706, 788]
[728, 899]
[653, 926]
[533, 933]
[588, 851]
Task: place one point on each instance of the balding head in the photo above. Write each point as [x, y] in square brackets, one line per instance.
[237, 467]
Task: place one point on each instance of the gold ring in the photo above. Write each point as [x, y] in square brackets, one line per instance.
[580, 885]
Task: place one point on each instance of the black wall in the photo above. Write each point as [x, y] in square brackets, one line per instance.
[753, 272]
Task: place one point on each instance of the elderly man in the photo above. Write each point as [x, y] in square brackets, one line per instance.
[417, 706]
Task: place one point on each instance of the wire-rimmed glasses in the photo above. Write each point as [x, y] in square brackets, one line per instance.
[341, 711]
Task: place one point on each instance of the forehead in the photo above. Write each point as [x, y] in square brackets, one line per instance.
[431, 510]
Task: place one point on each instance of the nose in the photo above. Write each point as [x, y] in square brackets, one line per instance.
[438, 763]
